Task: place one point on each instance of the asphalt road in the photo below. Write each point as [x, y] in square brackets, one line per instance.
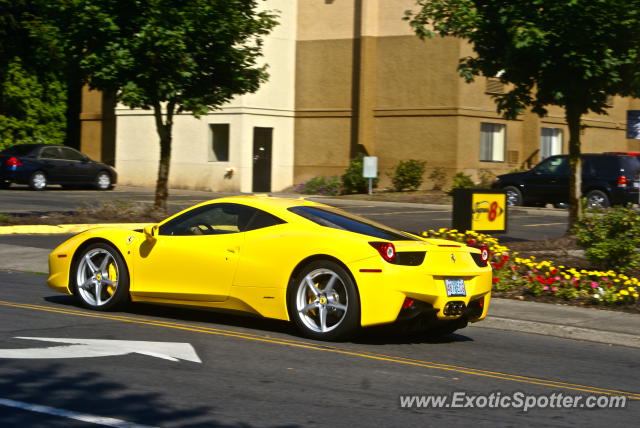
[524, 224]
[259, 373]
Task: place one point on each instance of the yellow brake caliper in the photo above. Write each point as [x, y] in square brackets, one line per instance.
[113, 276]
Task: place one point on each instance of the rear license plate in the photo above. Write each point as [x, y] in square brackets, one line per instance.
[455, 287]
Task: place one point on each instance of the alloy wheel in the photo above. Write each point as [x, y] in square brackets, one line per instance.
[322, 300]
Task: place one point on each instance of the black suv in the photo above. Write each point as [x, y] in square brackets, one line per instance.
[607, 179]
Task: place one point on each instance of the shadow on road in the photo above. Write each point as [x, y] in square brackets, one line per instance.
[387, 334]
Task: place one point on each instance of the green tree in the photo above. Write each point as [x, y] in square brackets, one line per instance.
[32, 108]
[32, 92]
[568, 53]
[169, 56]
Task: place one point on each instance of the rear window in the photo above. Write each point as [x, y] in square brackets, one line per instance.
[19, 150]
[610, 166]
[340, 220]
[630, 164]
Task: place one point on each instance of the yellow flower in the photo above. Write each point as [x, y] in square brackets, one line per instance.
[624, 292]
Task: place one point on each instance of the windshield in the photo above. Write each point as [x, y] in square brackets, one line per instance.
[338, 219]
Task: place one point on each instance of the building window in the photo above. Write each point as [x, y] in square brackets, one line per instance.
[492, 142]
[219, 148]
[550, 142]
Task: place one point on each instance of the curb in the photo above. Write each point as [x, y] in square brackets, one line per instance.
[42, 229]
[561, 331]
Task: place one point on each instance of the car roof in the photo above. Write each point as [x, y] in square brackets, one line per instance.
[275, 205]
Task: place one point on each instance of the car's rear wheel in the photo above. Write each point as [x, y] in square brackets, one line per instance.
[101, 278]
[324, 302]
[514, 196]
[103, 181]
[38, 181]
[597, 199]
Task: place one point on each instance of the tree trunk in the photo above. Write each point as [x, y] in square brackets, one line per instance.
[164, 128]
[573, 116]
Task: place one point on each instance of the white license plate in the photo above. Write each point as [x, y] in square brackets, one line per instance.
[455, 287]
[636, 184]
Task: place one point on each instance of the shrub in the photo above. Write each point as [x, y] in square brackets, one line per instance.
[462, 181]
[439, 177]
[320, 186]
[610, 238]
[486, 177]
[352, 179]
[408, 175]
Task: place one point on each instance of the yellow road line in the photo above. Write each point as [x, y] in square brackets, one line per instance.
[332, 349]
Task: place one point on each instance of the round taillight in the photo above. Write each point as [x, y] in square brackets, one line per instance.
[484, 253]
[13, 161]
[386, 249]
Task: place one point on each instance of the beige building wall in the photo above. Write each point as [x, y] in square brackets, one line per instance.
[365, 82]
[348, 76]
[272, 106]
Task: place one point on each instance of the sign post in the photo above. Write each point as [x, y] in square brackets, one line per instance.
[370, 170]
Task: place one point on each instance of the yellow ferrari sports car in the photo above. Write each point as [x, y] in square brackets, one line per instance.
[327, 271]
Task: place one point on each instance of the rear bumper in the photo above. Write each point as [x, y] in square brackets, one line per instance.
[382, 294]
[14, 174]
[624, 196]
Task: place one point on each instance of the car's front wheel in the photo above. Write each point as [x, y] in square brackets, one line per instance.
[514, 196]
[323, 301]
[103, 181]
[101, 278]
[38, 180]
[597, 199]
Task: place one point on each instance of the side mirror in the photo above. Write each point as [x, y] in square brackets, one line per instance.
[151, 231]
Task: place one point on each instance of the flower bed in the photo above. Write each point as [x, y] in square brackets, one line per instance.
[515, 275]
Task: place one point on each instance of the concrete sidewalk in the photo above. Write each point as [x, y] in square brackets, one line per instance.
[569, 322]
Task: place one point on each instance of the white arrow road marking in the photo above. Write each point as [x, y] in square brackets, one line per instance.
[84, 348]
[99, 420]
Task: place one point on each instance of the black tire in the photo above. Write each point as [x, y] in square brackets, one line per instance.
[102, 285]
[103, 181]
[38, 181]
[339, 323]
[597, 199]
[514, 196]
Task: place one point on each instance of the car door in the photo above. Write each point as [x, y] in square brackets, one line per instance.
[549, 181]
[50, 162]
[76, 168]
[194, 256]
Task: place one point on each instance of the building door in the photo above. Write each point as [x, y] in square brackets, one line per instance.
[262, 138]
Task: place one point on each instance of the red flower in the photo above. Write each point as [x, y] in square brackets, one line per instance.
[496, 280]
[471, 241]
[505, 257]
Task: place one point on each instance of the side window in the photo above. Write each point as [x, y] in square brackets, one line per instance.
[70, 154]
[263, 219]
[554, 165]
[50, 153]
[213, 219]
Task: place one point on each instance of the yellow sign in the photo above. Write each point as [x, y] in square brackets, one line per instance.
[488, 211]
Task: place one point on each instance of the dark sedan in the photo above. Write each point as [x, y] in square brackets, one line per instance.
[39, 165]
